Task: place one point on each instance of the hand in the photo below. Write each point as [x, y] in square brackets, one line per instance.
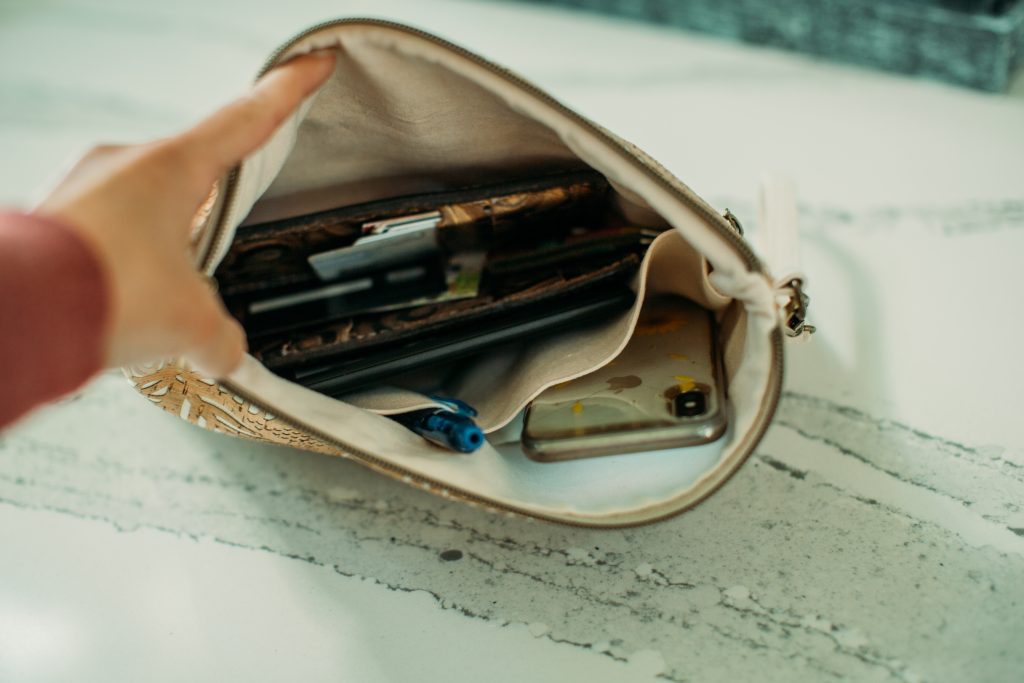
[134, 204]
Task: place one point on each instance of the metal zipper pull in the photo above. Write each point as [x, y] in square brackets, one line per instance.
[733, 221]
[793, 303]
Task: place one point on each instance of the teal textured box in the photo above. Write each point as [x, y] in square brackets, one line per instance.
[976, 43]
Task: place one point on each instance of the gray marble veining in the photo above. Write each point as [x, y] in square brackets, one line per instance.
[877, 533]
[844, 585]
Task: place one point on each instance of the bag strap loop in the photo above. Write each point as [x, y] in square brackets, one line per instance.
[780, 243]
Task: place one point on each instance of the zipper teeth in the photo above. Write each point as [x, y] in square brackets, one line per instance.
[693, 202]
[206, 262]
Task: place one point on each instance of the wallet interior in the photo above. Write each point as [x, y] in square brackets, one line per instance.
[549, 240]
[408, 119]
[536, 243]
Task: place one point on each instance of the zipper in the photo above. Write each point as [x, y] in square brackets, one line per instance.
[641, 160]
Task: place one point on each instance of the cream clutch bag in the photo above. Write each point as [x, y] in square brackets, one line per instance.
[407, 115]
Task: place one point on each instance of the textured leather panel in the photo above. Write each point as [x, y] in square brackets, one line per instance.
[183, 392]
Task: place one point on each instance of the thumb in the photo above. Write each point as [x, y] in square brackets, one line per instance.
[216, 341]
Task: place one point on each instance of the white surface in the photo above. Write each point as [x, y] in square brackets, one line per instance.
[877, 534]
[75, 598]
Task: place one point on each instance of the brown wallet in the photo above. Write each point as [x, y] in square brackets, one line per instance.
[544, 238]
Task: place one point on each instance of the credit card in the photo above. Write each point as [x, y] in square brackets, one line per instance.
[384, 243]
[343, 299]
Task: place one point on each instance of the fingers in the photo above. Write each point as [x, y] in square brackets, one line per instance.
[239, 128]
[217, 341]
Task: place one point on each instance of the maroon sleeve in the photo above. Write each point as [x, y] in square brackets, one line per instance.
[54, 306]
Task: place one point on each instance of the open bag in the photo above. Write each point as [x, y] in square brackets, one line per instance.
[410, 122]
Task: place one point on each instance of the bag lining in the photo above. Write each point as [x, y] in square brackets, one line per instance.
[618, 489]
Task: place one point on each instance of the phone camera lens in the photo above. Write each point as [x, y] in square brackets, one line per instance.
[691, 404]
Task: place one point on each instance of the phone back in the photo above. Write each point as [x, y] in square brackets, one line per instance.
[662, 391]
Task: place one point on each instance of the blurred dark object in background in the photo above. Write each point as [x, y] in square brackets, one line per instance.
[977, 43]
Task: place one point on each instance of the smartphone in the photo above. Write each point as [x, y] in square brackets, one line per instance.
[664, 390]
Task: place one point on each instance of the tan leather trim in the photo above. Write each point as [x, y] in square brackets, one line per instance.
[185, 393]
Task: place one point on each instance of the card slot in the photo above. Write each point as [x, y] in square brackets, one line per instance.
[428, 350]
[266, 255]
[361, 333]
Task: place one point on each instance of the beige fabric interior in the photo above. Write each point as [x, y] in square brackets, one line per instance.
[403, 114]
[670, 266]
[419, 129]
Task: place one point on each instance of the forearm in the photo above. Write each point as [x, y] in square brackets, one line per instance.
[54, 312]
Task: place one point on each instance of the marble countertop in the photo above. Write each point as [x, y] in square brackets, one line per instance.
[877, 534]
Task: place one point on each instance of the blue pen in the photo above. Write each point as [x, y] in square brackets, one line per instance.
[443, 427]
